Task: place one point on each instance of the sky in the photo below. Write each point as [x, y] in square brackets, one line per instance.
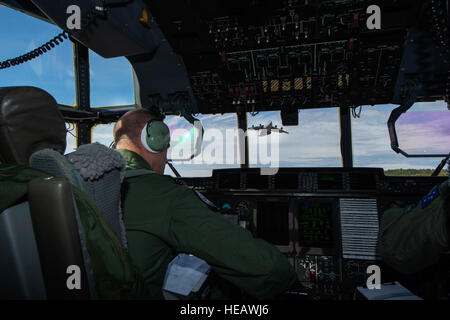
[314, 143]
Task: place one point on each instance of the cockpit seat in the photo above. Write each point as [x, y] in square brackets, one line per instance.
[29, 121]
[103, 171]
[40, 240]
[27, 262]
[46, 221]
[20, 269]
[94, 169]
[54, 163]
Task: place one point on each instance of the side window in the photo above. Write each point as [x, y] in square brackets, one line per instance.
[103, 133]
[71, 140]
[53, 71]
[111, 81]
[372, 146]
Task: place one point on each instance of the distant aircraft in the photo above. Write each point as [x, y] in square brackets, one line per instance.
[268, 129]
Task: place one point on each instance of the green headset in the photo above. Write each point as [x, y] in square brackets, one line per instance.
[155, 136]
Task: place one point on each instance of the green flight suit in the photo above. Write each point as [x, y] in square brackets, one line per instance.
[413, 238]
[164, 218]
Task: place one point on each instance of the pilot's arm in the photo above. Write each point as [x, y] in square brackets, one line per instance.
[413, 238]
[253, 265]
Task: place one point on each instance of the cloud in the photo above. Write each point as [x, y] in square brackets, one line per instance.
[425, 133]
[103, 134]
[429, 106]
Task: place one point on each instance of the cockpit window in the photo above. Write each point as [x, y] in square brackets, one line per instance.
[371, 143]
[103, 133]
[71, 140]
[424, 129]
[313, 143]
[111, 81]
[53, 71]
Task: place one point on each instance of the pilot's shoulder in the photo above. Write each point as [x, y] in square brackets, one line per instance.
[164, 180]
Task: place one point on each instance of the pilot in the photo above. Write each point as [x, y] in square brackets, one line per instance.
[164, 218]
[412, 238]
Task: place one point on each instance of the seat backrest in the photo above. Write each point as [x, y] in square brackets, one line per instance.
[103, 171]
[32, 131]
[39, 240]
[60, 239]
[55, 164]
[30, 121]
[96, 170]
[20, 269]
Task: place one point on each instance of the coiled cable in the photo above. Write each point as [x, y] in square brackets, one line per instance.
[36, 52]
[86, 20]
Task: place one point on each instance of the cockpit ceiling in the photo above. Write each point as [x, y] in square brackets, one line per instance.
[287, 55]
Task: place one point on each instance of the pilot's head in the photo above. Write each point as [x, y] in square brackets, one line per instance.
[144, 133]
[29, 121]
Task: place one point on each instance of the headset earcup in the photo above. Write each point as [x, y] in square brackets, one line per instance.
[158, 136]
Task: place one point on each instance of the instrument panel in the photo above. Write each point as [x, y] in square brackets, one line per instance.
[325, 220]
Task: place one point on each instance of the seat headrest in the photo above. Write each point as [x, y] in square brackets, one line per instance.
[29, 121]
[54, 163]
